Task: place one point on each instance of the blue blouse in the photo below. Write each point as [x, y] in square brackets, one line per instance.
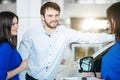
[9, 60]
[110, 69]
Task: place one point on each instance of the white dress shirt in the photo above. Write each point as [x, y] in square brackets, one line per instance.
[45, 51]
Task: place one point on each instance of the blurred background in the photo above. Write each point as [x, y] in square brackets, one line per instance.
[81, 15]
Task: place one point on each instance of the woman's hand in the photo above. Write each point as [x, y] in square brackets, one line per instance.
[24, 65]
[91, 75]
[88, 74]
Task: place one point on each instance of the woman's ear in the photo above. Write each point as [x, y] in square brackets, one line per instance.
[113, 23]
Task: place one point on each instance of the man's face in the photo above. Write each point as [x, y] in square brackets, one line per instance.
[51, 17]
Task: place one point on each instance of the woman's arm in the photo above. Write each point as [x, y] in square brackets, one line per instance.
[98, 75]
[91, 74]
[23, 66]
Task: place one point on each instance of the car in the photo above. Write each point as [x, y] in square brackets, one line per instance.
[93, 63]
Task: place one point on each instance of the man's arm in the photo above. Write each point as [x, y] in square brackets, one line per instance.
[80, 37]
[24, 49]
[98, 37]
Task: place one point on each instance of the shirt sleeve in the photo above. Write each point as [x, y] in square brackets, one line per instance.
[77, 36]
[24, 49]
[25, 46]
[5, 53]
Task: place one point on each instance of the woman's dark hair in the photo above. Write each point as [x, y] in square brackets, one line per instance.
[49, 5]
[113, 13]
[6, 20]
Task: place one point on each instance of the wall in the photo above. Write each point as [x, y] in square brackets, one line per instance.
[85, 10]
[8, 7]
[29, 15]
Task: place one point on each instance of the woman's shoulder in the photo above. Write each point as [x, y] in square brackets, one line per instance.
[5, 45]
[114, 49]
[5, 48]
[117, 44]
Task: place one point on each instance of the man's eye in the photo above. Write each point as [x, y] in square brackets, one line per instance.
[50, 15]
[57, 15]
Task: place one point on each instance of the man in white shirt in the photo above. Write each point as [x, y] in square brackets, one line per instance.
[44, 46]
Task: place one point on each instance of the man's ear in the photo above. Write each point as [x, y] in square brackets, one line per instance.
[42, 16]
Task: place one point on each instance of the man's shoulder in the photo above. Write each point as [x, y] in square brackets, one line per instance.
[33, 30]
[63, 27]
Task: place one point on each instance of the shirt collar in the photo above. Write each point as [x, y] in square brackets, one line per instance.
[44, 32]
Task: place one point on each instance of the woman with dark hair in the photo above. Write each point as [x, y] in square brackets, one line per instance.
[110, 69]
[10, 60]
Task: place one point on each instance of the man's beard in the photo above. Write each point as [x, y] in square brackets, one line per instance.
[50, 25]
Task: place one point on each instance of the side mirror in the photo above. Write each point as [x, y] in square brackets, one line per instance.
[85, 64]
[93, 63]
